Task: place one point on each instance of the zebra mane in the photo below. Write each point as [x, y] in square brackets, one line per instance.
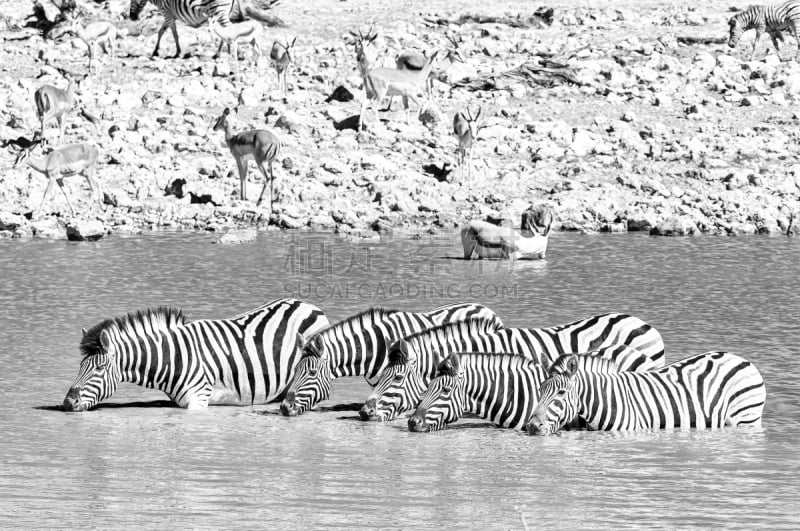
[478, 325]
[366, 316]
[160, 318]
[594, 362]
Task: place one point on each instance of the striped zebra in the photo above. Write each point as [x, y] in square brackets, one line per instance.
[413, 361]
[708, 390]
[501, 388]
[241, 361]
[193, 13]
[358, 346]
[772, 19]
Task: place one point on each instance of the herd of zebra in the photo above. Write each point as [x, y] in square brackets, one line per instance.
[606, 372]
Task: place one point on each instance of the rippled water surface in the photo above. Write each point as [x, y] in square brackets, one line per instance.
[138, 461]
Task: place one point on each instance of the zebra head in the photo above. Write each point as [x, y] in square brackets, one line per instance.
[399, 386]
[312, 378]
[735, 30]
[443, 401]
[558, 398]
[136, 8]
[98, 374]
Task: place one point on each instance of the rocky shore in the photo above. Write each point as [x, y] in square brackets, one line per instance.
[612, 116]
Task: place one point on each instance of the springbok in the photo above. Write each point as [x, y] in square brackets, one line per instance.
[255, 144]
[413, 60]
[365, 52]
[93, 34]
[281, 57]
[466, 128]
[491, 241]
[382, 82]
[52, 102]
[66, 161]
[247, 31]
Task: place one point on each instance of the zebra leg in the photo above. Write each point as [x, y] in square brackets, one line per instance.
[775, 44]
[161, 31]
[177, 44]
[755, 43]
[795, 34]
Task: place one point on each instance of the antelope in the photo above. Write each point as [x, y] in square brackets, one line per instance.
[52, 102]
[97, 33]
[281, 57]
[66, 161]
[248, 31]
[466, 128]
[491, 241]
[256, 144]
[382, 82]
[365, 53]
[412, 60]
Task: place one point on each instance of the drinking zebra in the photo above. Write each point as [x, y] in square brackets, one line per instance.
[193, 13]
[501, 388]
[358, 346]
[772, 19]
[414, 360]
[708, 390]
[241, 361]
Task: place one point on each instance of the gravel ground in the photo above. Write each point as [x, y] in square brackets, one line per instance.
[648, 134]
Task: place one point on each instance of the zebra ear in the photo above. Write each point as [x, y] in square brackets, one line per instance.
[450, 366]
[83, 332]
[398, 352]
[316, 347]
[105, 341]
[572, 365]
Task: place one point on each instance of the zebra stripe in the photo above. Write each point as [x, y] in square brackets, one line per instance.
[772, 19]
[358, 346]
[193, 13]
[413, 362]
[501, 388]
[708, 390]
[241, 361]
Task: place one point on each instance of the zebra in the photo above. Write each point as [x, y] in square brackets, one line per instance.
[708, 390]
[773, 19]
[501, 388]
[358, 346]
[241, 361]
[193, 13]
[413, 361]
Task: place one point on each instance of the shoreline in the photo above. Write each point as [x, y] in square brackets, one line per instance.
[653, 135]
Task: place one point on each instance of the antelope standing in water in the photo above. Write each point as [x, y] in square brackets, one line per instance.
[255, 144]
[491, 241]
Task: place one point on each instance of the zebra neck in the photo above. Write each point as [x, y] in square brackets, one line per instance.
[161, 361]
[362, 351]
[592, 400]
[501, 388]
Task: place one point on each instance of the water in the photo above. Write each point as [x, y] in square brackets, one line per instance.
[139, 462]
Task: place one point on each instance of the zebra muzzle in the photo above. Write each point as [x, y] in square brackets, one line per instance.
[417, 424]
[72, 402]
[368, 411]
[288, 409]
